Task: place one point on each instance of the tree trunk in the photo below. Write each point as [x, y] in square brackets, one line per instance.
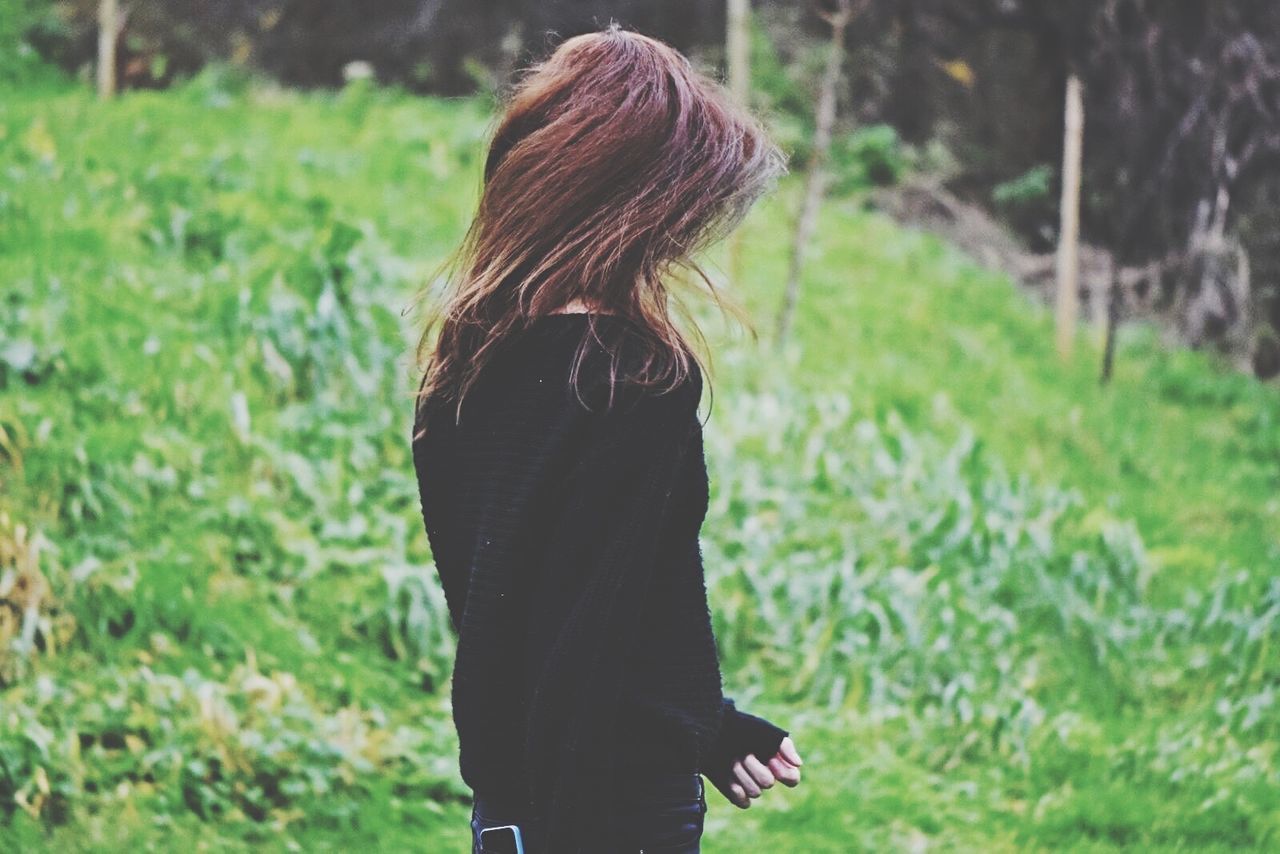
[108, 34]
[815, 180]
[738, 60]
[1068, 306]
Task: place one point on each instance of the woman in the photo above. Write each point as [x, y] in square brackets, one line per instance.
[559, 457]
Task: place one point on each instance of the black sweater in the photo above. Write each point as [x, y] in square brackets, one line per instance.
[565, 533]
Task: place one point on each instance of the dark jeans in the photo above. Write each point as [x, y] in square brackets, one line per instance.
[659, 814]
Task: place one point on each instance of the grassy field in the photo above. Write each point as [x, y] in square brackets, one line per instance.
[999, 607]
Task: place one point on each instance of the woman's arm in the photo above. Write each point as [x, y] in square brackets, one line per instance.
[745, 735]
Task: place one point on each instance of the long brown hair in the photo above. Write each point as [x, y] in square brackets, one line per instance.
[614, 163]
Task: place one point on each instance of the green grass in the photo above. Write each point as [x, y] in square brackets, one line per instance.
[999, 606]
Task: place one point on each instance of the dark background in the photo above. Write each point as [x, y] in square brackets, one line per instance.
[1183, 104]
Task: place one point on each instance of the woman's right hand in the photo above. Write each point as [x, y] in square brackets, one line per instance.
[752, 776]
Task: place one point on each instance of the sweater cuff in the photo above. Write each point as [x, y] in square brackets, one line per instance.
[740, 734]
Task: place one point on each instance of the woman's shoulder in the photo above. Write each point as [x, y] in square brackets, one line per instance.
[598, 366]
[630, 373]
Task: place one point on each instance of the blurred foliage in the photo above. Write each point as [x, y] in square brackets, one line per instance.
[1035, 186]
[870, 156]
[999, 607]
[20, 61]
[1030, 198]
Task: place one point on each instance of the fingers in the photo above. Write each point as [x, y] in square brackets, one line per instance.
[745, 780]
[784, 771]
[751, 777]
[758, 771]
[788, 751]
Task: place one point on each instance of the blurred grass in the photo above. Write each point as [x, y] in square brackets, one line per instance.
[999, 606]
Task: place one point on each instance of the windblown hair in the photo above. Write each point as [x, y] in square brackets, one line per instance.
[614, 164]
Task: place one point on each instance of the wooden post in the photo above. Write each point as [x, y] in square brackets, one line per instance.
[738, 49]
[1068, 303]
[108, 34]
[738, 60]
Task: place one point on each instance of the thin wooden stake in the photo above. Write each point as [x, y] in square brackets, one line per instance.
[1068, 307]
[108, 35]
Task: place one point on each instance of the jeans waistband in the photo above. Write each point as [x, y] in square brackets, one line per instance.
[681, 786]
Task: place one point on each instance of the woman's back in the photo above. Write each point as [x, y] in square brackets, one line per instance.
[566, 539]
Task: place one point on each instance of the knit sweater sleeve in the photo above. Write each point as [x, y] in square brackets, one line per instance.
[741, 734]
[602, 539]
